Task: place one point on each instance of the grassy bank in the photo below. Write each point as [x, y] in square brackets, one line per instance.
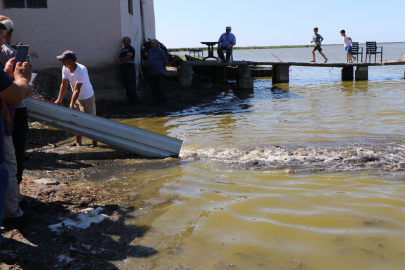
[237, 48]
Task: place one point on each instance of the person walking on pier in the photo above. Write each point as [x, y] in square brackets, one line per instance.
[128, 73]
[226, 42]
[317, 39]
[83, 98]
[157, 62]
[348, 43]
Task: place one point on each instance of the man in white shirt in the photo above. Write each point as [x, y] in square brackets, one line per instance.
[83, 98]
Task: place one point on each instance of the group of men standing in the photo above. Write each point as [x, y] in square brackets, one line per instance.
[14, 87]
[157, 62]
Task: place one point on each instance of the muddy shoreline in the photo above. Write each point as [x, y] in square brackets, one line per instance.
[57, 192]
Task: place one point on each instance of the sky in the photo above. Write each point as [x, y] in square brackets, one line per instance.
[186, 23]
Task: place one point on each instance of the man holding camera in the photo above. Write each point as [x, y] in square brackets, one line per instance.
[12, 92]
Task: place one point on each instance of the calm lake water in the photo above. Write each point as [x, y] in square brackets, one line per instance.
[308, 174]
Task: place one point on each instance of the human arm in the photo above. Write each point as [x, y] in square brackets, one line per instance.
[351, 42]
[125, 58]
[220, 40]
[5, 114]
[320, 39]
[75, 95]
[15, 92]
[62, 91]
[129, 53]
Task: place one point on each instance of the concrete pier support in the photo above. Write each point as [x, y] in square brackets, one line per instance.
[347, 73]
[185, 75]
[219, 74]
[281, 74]
[243, 79]
[361, 73]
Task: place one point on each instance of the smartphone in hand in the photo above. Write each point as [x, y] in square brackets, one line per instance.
[22, 53]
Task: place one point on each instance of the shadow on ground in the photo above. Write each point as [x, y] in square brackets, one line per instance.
[35, 246]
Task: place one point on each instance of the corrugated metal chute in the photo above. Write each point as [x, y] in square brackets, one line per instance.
[132, 139]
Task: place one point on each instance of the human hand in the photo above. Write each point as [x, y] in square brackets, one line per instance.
[58, 101]
[30, 89]
[23, 71]
[312, 41]
[9, 68]
[72, 105]
[228, 47]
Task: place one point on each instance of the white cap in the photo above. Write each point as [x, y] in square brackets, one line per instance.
[228, 27]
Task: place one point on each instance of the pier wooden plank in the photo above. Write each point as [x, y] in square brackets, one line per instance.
[310, 64]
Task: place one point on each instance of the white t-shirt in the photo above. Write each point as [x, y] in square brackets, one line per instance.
[80, 75]
[347, 41]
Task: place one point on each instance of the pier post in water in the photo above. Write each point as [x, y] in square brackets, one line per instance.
[243, 78]
[361, 73]
[185, 75]
[347, 73]
[281, 74]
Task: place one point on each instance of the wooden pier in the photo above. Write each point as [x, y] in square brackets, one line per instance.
[243, 78]
[281, 70]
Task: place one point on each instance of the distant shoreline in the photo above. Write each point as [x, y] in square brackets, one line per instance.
[265, 47]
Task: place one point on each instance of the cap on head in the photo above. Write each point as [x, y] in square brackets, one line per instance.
[228, 28]
[67, 55]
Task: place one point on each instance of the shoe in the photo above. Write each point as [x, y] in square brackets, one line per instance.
[351, 62]
[226, 61]
[354, 59]
[72, 145]
[17, 222]
[313, 61]
[327, 60]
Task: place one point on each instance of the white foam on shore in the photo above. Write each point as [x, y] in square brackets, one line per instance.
[352, 157]
[83, 221]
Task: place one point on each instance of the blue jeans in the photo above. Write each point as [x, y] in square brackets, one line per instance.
[3, 189]
[129, 81]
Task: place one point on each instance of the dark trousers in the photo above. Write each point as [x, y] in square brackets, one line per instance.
[157, 85]
[20, 131]
[220, 52]
[128, 76]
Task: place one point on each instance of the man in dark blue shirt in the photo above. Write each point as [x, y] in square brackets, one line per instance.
[126, 61]
[157, 62]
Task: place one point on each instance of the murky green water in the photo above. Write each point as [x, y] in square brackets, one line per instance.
[305, 175]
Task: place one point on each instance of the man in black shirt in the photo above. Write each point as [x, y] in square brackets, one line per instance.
[128, 73]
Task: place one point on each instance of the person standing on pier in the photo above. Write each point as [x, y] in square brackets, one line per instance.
[83, 97]
[348, 43]
[317, 39]
[226, 42]
[157, 62]
[128, 73]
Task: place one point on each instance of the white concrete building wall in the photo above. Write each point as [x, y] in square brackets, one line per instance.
[93, 29]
